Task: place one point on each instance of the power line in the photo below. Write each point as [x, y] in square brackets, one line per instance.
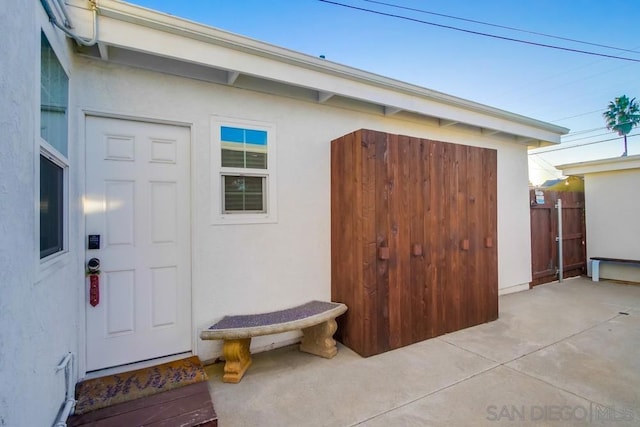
[601, 110]
[580, 145]
[478, 32]
[580, 132]
[499, 26]
[575, 81]
[530, 86]
[587, 137]
[542, 167]
[570, 134]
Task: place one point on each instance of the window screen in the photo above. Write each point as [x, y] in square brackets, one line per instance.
[51, 207]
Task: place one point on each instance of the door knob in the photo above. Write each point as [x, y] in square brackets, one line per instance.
[93, 266]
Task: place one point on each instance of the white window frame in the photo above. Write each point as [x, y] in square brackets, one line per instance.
[58, 159]
[219, 217]
[51, 262]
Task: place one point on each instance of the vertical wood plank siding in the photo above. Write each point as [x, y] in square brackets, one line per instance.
[544, 230]
[429, 205]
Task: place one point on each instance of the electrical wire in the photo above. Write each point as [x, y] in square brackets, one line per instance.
[579, 145]
[586, 137]
[601, 110]
[594, 129]
[500, 37]
[498, 26]
[551, 168]
[449, 27]
[580, 132]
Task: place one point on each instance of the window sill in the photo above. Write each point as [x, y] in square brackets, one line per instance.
[239, 219]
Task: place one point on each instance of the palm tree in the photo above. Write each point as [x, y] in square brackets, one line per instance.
[622, 116]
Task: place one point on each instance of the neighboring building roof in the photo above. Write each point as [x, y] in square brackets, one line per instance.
[571, 183]
[550, 182]
[602, 165]
[136, 36]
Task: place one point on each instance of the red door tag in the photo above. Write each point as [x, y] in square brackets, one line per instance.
[94, 289]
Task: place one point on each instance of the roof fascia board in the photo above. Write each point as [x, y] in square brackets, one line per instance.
[409, 96]
[602, 165]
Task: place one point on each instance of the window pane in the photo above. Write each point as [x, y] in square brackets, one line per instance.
[256, 160]
[232, 158]
[230, 134]
[243, 193]
[51, 207]
[256, 137]
[243, 148]
[54, 98]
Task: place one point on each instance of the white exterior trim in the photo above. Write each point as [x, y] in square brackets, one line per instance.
[83, 114]
[603, 165]
[128, 26]
[50, 264]
[217, 216]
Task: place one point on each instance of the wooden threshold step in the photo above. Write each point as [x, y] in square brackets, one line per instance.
[185, 406]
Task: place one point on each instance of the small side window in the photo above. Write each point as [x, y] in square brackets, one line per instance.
[53, 162]
[244, 158]
[51, 207]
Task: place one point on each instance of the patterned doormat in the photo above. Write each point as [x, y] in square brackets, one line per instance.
[106, 391]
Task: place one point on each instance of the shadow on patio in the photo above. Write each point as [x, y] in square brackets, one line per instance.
[560, 354]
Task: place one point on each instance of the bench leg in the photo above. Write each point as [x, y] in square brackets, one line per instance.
[237, 359]
[319, 340]
[595, 270]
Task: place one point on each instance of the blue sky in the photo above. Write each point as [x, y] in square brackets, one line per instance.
[565, 88]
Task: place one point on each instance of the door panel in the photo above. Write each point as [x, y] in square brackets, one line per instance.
[489, 258]
[418, 196]
[382, 226]
[137, 199]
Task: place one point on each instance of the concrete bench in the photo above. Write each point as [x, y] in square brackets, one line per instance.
[316, 319]
[596, 261]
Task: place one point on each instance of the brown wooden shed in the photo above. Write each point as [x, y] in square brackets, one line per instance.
[414, 238]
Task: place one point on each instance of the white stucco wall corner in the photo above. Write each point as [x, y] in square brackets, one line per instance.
[514, 218]
[40, 307]
[611, 214]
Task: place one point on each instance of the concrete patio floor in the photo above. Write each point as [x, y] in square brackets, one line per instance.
[560, 354]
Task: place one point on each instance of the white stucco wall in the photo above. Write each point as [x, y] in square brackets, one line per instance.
[291, 258]
[38, 308]
[612, 220]
[42, 309]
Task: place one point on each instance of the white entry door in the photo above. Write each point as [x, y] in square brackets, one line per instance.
[138, 201]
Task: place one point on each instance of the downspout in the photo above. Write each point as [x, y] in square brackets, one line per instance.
[62, 8]
[559, 239]
[80, 40]
[69, 399]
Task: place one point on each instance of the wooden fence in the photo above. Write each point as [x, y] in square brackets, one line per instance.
[544, 231]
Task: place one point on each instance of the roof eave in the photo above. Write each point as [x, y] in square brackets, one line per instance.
[540, 134]
[600, 165]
